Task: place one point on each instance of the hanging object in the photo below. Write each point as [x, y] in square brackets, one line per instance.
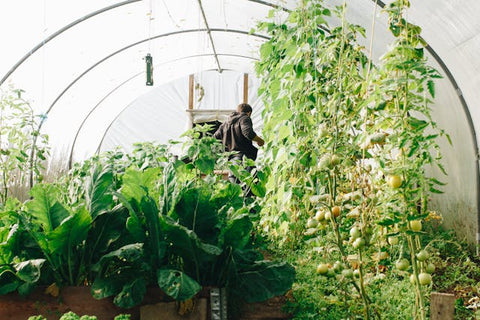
[149, 71]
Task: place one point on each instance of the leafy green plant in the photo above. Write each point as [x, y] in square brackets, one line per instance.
[178, 226]
[21, 161]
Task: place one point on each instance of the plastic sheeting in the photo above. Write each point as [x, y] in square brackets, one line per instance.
[90, 79]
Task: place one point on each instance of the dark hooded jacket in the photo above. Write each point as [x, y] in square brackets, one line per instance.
[237, 134]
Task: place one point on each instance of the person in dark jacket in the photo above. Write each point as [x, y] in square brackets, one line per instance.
[237, 136]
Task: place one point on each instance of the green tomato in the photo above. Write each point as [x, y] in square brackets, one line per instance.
[402, 264]
[358, 243]
[328, 215]
[312, 223]
[393, 240]
[394, 181]
[338, 266]
[430, 268]
[330, 273]
[422, 255]
[322, 268]
[416, 225]
[355, 233]
[424, 278]
[320, 215]
[413, 280]
[347, 273]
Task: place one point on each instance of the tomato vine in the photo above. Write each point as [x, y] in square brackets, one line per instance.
[347, 144]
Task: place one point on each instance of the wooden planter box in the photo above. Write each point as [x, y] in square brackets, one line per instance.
[156, 305]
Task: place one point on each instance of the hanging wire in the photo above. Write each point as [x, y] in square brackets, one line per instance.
[150, 11]
[42, 99]
[224, 15]
[170, 15]
[370, 49]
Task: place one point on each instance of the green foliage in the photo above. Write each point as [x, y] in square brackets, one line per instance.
[177, 226]
[73, 316]
[347, 144]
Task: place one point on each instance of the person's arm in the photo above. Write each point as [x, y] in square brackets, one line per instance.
[258, 140]
[219, 133]
[247, 130]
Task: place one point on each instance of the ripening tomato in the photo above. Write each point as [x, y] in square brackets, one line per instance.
[394, 181]
[322, 268]
[336, 211]
[416, 225]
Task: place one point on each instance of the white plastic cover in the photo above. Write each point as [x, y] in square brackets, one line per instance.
[90, 78]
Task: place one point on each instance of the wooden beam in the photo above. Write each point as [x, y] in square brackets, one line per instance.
[245, 88]
[190, 92]
[442, 306]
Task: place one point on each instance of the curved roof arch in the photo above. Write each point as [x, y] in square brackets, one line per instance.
[64, 42]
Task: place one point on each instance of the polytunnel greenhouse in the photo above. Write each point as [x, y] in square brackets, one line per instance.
[131, 186]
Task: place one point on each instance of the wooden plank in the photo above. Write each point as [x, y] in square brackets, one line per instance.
[442, 306]
[190, 92]
[245, 88]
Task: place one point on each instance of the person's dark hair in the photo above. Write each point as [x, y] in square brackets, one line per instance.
[244, 107]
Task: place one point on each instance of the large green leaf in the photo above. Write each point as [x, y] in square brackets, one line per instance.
[115, 269]
[104, 287]
[237, 232]
[177, 284]
[8, 280]
[152, 222]
[105, 232]
[98, 191]
[264, 280]
[195, 211]
[132, 294]
[71, 232]
[128, 253]
[45, 208]
[29, 271]
[138, 184]
[186, 243]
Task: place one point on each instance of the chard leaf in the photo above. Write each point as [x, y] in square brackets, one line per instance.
[106, 230]
[132, 294]
[264, 280]
[8, 281]
[29, 271]
[138, 184]
[177, 284]
[128, 253]
[186, 244]
[237, 232]
[98, 193]
[45, 208]
[71, 232]
[106, 287]
[195, 211]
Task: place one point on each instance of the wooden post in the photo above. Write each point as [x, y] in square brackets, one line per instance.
[245, 88]
[442, 306]
[190, 92]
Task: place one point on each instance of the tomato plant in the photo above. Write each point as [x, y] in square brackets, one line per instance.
[348, 141]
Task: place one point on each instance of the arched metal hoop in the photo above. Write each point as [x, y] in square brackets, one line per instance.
[70, 159]
[471, 126]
